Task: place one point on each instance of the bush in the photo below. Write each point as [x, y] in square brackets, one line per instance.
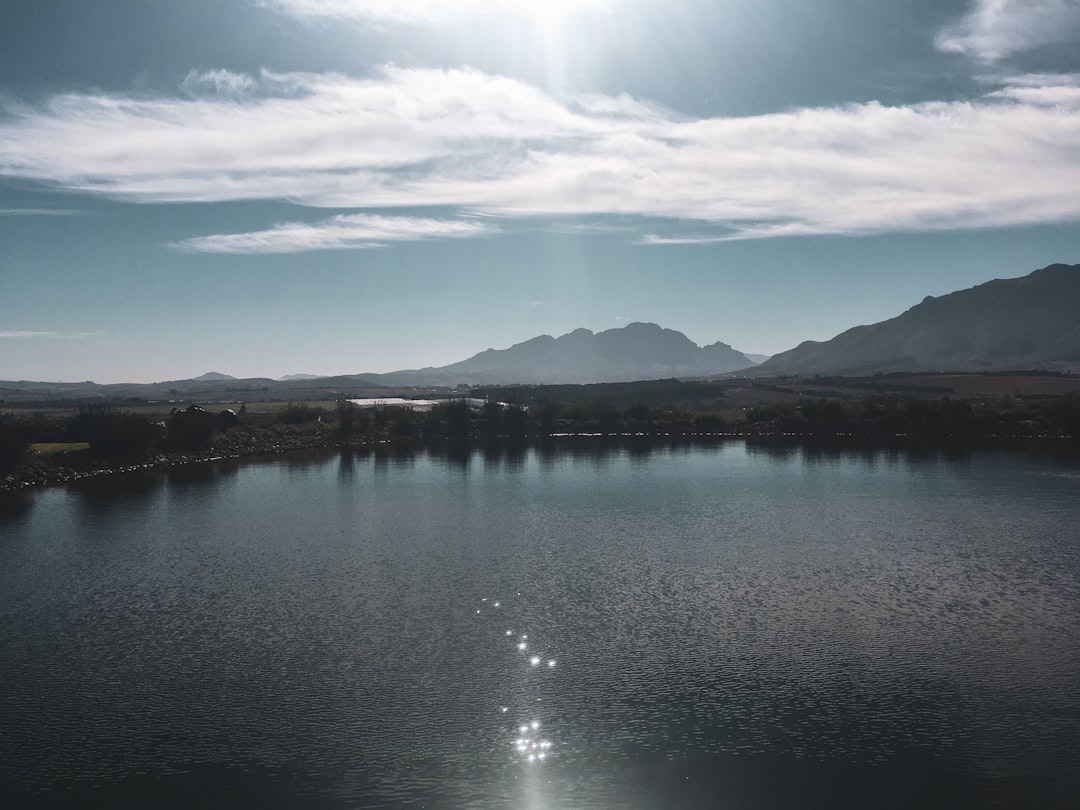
[299, 413]
[453, 418]
[190, 428]
[118, 435]
[404, 424]
[13, 445]
[351, 418]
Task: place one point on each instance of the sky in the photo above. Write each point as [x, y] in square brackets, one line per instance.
[270, 187]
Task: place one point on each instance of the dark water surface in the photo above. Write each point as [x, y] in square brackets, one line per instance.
[713, 626]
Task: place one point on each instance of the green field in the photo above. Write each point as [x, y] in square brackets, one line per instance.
[58, 448]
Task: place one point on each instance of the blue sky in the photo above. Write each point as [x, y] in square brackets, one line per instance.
[265, 187]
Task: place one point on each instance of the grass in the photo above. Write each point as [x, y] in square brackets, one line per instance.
[58, 448]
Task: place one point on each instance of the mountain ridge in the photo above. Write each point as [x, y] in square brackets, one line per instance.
[1030, 322]
[1013, 324]
[637, 351]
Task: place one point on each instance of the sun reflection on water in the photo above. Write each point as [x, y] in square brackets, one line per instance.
[528, 744]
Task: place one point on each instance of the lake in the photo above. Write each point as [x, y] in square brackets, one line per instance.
[578, 625]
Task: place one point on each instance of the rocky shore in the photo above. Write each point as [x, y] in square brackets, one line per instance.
[47, 470]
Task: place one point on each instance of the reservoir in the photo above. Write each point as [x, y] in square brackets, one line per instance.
[573, 625]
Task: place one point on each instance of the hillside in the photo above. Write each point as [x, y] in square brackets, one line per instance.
[638, 351]
[1031, 322]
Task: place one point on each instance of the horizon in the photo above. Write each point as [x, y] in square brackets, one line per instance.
[217, 373]
[328, 187]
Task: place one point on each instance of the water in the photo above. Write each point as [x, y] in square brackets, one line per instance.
[730, 626]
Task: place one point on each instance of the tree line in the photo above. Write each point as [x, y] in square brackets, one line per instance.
[885, 416]
[115, 434]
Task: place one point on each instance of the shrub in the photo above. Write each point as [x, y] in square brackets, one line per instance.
[190, 428]
[13, 445]
[119, 435]
[298, 413]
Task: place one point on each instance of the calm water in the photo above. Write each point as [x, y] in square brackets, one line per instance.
[707, 626]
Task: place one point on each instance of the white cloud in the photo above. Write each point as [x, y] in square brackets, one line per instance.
[1054, 90]
[994, 29]
[220, 82]
[346, 231]
[38, 212]
[657, 239]
[494, 145]
[428, 12]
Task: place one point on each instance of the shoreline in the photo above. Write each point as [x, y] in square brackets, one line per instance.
[65, 468]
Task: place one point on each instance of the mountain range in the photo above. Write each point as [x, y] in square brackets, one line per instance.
[1025, 323]
[637, 351]
[1028, 323]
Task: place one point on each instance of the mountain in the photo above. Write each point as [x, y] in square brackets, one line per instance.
[1024, 323]
[638, 351]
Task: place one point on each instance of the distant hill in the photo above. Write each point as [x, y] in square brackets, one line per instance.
[1007, 324]
[638, 351]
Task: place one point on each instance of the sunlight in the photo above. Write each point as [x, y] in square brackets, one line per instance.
[439, 11]
[551, 13]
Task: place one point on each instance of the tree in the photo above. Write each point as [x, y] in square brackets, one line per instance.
[190, 428]
[347, 413]
[13, 445]
[493, 418]
[112, 434]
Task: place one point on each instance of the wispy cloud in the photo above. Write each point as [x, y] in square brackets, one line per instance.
[38, 212]
[490, 144]
[994, 29]
[428, 12]
[22, 334]
[346, 231]
[658, 239]
[1056, 90]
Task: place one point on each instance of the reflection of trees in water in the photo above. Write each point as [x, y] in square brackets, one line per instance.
[456, 452]
[346, 465]
[303, 459]
[506, 454]
[638, 449]
[868, 451]
[388, 456]
[102, 494]
[602, 449]
[15, 506]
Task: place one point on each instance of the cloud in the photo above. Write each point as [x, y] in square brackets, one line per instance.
[657, 239]
[346, 231]
[427, 12]
[1053, 90]
[38, 212]
[20, 334]
[493, 145]
[222, 82]
[995, 29]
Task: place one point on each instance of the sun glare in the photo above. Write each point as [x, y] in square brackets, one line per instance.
[551, 13]
[546, 13]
